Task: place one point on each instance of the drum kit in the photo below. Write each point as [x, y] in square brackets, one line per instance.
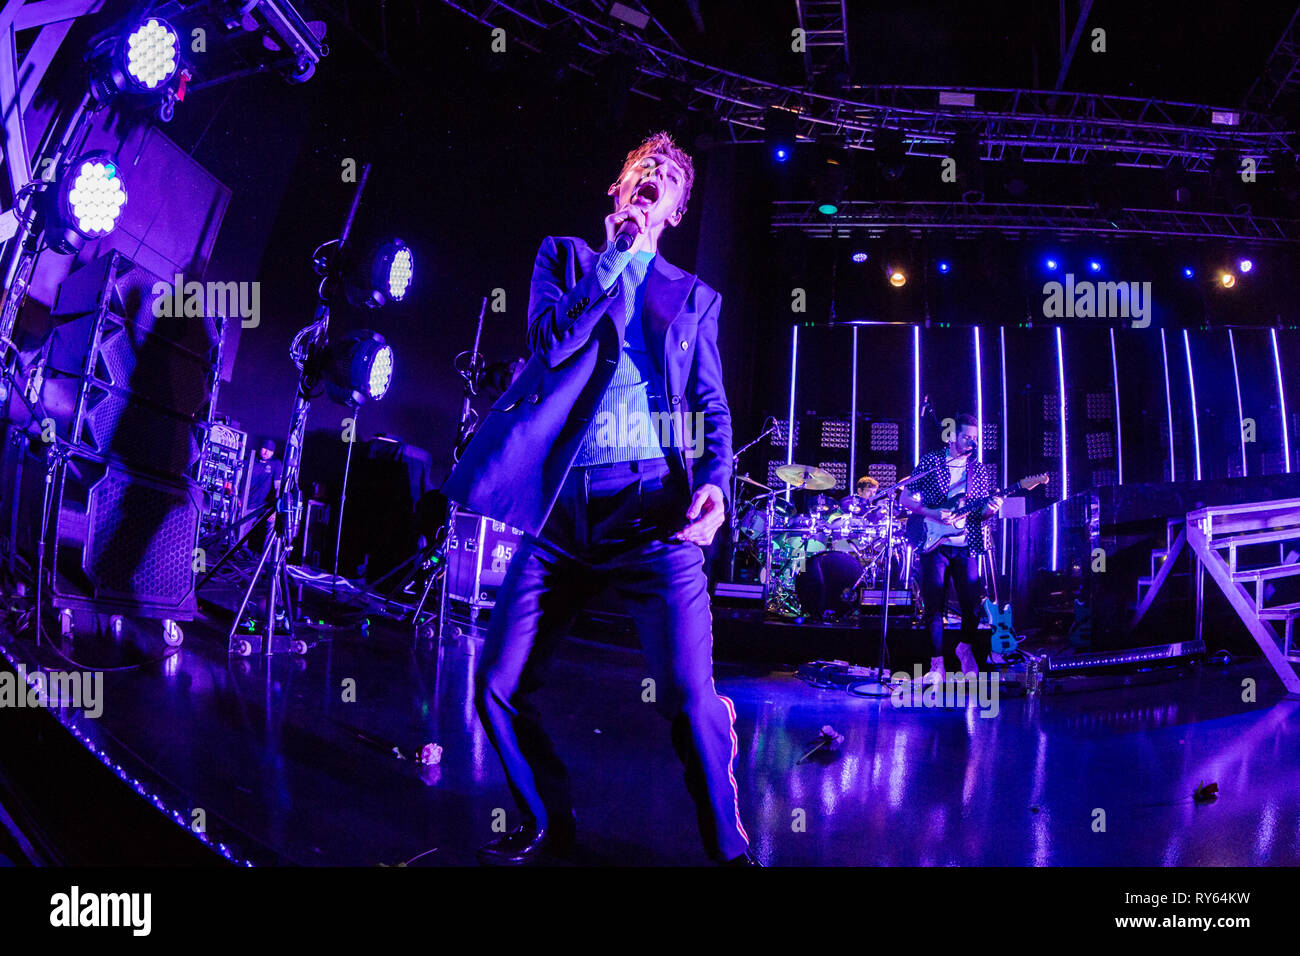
[815, 561]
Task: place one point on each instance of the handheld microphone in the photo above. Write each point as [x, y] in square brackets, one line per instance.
[627, 232]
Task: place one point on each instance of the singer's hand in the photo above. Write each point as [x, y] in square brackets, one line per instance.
[706, 514]
[621, 215]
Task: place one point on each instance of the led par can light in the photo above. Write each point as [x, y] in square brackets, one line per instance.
[378, 277]
[88, 202]
[358, 368]
[142, 61]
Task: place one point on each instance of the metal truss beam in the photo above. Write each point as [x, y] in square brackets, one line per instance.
[19, 80]
[1021, 219]
[1281, 73]
[826, 35]
[1041, 125]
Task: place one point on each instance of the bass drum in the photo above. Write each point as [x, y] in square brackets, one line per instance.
[825, 588]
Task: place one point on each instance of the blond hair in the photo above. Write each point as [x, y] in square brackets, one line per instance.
[662, 142]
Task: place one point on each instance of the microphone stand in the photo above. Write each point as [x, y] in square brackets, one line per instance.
[734, 509]
[878, 687]
[464, 432]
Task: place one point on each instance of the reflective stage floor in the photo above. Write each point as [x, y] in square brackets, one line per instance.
[286, 770]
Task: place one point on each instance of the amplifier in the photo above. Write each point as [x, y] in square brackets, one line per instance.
[478, 553]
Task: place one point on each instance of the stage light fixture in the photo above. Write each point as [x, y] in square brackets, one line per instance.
[828, 208]
[859, 256]
[1188, 272]
[143, 61]
[357, 368]
[897, 278]
[1227, 279]
[1244, 266]
[372, 279]
[393, 267]
[945, 267]
[87, 204]
[1050, 264]
[1094, 265]
[151, 53]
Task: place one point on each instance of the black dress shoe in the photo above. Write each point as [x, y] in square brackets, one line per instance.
[745, 859]
[526, 843]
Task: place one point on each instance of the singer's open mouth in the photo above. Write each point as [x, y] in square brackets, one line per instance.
[649, 191]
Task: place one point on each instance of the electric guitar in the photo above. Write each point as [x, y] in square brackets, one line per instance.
[1005, 639]
[926, 534]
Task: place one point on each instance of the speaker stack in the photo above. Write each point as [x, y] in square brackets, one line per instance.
[127, 393]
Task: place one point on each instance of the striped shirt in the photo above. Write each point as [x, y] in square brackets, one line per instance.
[622, 428]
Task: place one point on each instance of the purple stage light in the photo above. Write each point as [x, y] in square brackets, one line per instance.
[151, 54]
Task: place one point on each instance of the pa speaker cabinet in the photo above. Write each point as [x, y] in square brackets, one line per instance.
[119, 540]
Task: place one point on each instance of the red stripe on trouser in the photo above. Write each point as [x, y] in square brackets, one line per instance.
[735, 750]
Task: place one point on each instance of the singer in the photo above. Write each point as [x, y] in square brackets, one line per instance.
[620, 329]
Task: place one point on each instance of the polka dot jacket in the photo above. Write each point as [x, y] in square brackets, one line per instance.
[981, 482]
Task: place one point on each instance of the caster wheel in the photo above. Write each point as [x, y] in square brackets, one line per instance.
[298, 647]
[241, 647]
[173, 636]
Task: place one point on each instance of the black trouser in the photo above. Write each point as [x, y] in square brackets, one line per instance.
[612, 523]
[963, 568]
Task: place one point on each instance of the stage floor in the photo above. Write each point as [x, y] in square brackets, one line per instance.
[288, 771]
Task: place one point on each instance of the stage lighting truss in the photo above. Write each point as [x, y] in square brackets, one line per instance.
[145, 61]
[86, 203]
[357, 368]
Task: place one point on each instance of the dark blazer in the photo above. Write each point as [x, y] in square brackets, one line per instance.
[517, 461]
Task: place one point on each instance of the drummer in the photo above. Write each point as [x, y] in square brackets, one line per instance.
[855, 504]
[866, 487]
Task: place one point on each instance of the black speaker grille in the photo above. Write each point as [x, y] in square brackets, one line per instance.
[140, 542]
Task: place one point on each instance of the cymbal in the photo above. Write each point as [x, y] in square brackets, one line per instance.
[756, 484]
[809, 477]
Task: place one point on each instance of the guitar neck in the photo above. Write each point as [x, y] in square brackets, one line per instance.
[981, 502]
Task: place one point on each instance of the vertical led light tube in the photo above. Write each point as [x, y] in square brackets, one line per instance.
[1119, 425]
[853, 418]
[789, 427]
[1002, 349]
[1169, 404]
[916, 394]
[1281, 401]
[979, 392]
[1191, 387]
[1065, 458]
[1241, 413]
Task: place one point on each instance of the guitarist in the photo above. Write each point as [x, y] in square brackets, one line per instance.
[958, 555]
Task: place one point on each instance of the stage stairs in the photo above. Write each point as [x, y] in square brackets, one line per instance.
[1250, 550]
